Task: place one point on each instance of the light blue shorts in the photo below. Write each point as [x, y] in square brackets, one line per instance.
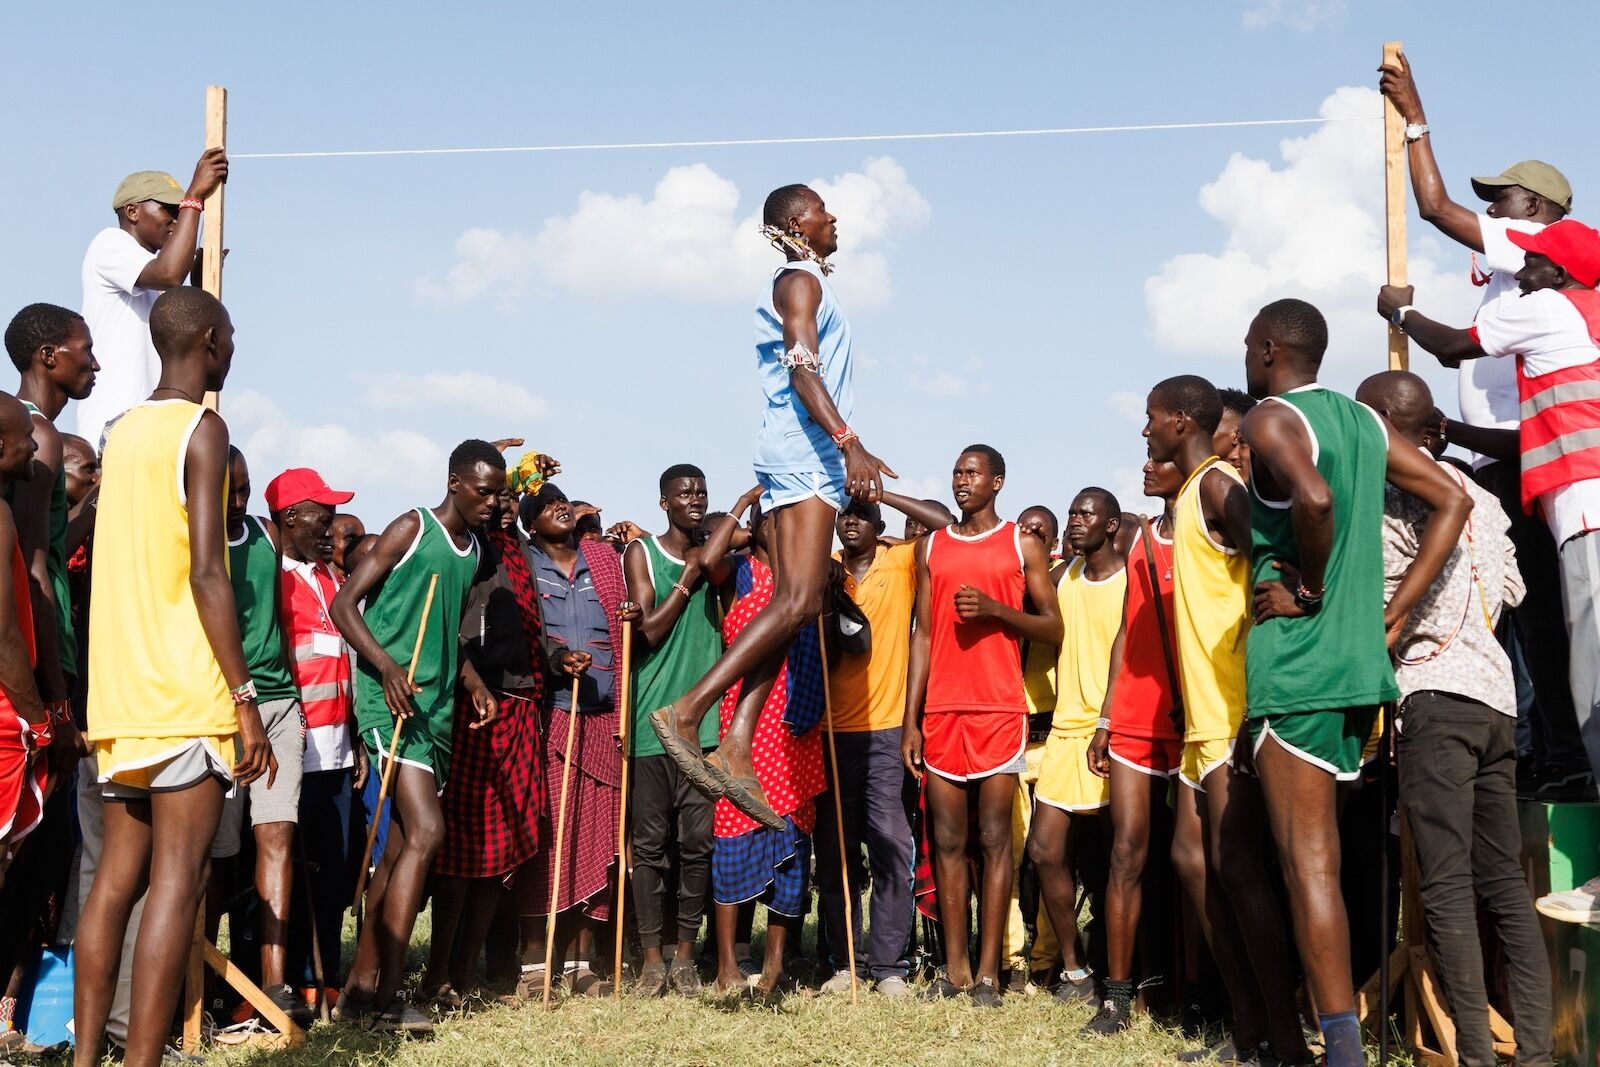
[781, 490]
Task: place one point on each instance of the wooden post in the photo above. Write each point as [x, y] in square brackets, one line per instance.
[211, 234]
[1394, 187]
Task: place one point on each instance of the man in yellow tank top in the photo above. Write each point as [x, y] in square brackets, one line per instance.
[1220, 812]
[170, 694]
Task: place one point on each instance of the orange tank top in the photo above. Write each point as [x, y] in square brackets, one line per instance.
[974, 665]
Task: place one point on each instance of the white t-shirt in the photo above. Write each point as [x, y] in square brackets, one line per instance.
[1549, 333]
[1487, 388]
[118, 314]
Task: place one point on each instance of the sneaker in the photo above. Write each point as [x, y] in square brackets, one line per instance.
[652, 983]
[284, 999]
[1076, 990]
[985, 993]
[840, 984]
[941, 988]
[1580, 905]
[1111, 1019]
[400, 1017]
[684, 979]
[894, 987]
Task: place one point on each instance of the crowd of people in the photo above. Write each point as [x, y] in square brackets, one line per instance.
[1183, 711]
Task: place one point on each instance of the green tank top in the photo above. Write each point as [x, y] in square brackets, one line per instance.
[666, 672]
[392, 613]
[1336, 658]
[253, 569]
[56, 564]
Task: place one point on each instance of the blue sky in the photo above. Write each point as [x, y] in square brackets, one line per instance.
[1022, 292]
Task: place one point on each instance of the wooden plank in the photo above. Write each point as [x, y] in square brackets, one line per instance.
[1368, 1006]
[1394, 188]
[211, 235]
[247, 989]
[1444, 1026]
[194, 985]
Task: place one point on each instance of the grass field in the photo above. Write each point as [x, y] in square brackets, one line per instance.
[805, 1028]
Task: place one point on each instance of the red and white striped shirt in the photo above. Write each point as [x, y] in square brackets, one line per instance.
[321, 663]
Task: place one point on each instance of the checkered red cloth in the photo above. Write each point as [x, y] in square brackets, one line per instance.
[924, 888]
[496, 792]
[593, 808]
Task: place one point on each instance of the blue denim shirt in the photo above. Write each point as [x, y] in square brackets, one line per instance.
[575, 619]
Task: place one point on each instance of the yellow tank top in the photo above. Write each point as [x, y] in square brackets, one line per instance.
[1039, 676]
[1211, 605]
[151, 669]
[1091, 614]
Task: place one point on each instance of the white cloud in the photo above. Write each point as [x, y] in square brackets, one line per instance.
[1127, 483]
[467, 391]
[272, 441]
[687, 241]
[1296, 14]
[1129, 405]
[1310, 226]
[942, 383]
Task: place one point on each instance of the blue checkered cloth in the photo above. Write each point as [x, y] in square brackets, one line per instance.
[771, 866]
[806, 697]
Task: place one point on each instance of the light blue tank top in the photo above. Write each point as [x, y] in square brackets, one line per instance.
[791, 441]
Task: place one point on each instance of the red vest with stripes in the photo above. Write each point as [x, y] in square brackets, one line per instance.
[1561, 415]
[324, 681]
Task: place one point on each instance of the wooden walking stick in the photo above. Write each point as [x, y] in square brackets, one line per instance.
[1394, 211]
[561, 835]
[625, 718]
[394, 748]
[838, 812]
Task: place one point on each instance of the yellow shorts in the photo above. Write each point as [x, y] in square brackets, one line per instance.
[1369, 751]
[1200, 758]
[137, 762]
[1065, 780]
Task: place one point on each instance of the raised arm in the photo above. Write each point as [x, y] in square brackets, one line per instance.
[1456, 221]
[796, 296]
[1413, 471]
[205, 472]
[1450, 344]
[933, 516]
[712, 556]
[173, 265]
[375, 566]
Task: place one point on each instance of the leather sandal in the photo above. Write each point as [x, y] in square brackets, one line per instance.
[745, 794]
[687, 757]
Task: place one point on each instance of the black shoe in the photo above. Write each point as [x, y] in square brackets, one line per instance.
[985, 994]
[1112, 1019]
[1076, 990]
[284, 999]
[941, 988]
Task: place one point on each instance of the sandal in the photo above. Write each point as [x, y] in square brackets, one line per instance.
[400, 1017]
[441, 998]
[745, 794]
[586, 983]
[652, 983]
[530, 983]
[687, 758]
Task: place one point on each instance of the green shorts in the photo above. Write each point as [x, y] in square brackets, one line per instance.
[421, 745]
[1334, 740]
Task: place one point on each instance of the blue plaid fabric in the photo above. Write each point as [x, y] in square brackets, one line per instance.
[806, 698]
[771, 866]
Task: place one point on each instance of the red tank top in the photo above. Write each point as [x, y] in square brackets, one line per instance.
[1141, 703]
[974, 665]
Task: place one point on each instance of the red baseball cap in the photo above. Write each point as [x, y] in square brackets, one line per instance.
[1570, 245]
[299, 484]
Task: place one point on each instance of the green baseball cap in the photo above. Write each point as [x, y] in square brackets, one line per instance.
[147, 185]
[1532, 175]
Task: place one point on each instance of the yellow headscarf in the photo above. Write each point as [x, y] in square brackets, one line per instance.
[526, 476]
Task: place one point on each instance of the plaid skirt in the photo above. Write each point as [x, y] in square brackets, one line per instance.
[771, 866]
[495, 793]
[593, 807]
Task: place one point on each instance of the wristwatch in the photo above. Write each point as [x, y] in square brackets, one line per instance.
[1398, 318]
[1416, 131]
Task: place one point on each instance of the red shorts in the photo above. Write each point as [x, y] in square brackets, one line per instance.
[21, 785]
[1159, 756]
[965, 745]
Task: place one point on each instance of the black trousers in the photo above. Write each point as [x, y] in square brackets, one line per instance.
[1458, 785]
[664, 809]
[1541, 624]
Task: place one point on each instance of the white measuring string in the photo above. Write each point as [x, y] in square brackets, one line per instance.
[842, 139]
